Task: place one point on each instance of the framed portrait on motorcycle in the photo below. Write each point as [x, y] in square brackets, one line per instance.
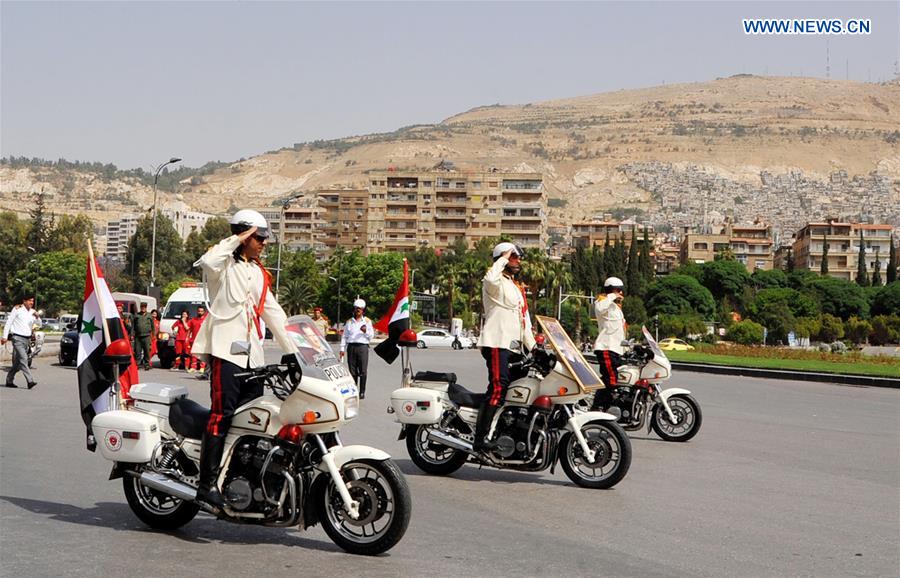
[574, 361]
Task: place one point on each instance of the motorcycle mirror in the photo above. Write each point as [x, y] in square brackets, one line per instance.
[515, 345]
[240, 348]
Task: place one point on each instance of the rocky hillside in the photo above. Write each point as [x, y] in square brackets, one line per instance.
[730, 129]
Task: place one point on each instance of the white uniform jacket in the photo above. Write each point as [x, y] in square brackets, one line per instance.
[506, 317]
[611, 323]
[235, 288]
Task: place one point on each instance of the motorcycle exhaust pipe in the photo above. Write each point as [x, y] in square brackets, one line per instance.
[450, 441]
[169, 486]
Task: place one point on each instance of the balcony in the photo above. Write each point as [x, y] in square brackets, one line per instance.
[450, 214]
[459, 201]
[526, 228]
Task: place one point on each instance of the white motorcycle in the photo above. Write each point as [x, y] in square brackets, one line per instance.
[283, 464]
[640, 400]
[536, 425]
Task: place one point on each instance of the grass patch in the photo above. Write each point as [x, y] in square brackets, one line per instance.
[856, 365]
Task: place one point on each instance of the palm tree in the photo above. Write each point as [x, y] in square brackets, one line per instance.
[296, 296]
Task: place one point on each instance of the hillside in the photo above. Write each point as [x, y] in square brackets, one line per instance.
[653, 148]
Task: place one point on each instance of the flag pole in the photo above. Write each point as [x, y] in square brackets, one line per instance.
[114, 398]
[93, 270]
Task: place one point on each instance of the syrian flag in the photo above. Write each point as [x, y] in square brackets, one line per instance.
[99, 326]
[395, 321]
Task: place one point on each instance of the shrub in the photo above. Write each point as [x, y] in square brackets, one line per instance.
[831, 329]
[746, 333]
[887, 300]
[857, 330]
[885, 329]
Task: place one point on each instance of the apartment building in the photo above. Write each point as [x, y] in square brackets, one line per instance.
[437, 208]
[118, 234]
[843, 247]
[751, 245]
[185, 220]
[595, 232]
[303, 227]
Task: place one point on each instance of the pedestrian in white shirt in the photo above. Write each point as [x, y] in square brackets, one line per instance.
[608, 346]
[18, 329]
[355, 343]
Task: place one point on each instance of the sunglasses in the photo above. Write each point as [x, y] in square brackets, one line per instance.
[260, 238]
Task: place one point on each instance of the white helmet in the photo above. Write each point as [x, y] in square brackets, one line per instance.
[501, 248]
[613, 283]
[359, 303]
[247, 218]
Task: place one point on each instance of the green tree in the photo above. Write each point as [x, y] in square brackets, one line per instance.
[634, 311]
[838, 297]
[876, 272]
[13, 232]
[885, 329]
[799, 304]
[823, 268]
[725, 278]
[831, 329]
[891, 274]
[645, 262]
[171, 261]
[214, 230]
[56, 279]
[807, 326]
[679, 294]
[633, 284]
[768, 279]
[683, 326]
[857, 330]
[862, 276]
[374, 278]
[41, 226]
[887, 299]
[789, 262]
[71, 233]
[746, 332]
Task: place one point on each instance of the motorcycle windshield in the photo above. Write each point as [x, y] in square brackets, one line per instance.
[654, 346]
[316, 354]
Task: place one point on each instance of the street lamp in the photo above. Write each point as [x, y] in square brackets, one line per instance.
[172, 160]
[285, 205]
[338, 281]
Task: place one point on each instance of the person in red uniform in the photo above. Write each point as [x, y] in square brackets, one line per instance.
[194, 325]
[182, 330]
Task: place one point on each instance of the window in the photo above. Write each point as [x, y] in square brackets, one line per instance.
[700, 246]
[492, 211]
[374, 183]
[476, 184]
[426, 183]
[492, 184]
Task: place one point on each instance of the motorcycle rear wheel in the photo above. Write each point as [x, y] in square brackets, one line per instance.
[385, 506]
[612, 455]
[432, 458]
[687, 412]
[157, 509]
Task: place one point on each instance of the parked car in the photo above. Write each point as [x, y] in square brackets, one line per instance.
[50, 324]
[673, 344]
[441, 338]
[68, 347]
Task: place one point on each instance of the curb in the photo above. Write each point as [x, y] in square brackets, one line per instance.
[792, 374]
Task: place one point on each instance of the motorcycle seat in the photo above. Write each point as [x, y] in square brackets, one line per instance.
[435, 376]
[188, 418]
[462, 396]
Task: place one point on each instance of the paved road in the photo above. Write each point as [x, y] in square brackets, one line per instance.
[785, 478]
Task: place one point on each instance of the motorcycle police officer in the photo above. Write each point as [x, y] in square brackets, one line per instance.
[232, 335]
[507, 329]
[608, 345]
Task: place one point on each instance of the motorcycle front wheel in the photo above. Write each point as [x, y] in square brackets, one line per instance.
[430, 457]
[612, 455]
[687, 419]
[384, 508]
[157, 509]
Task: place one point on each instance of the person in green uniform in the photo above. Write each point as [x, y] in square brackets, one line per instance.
[143, 330]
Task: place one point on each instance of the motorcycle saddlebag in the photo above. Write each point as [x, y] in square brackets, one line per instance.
[416, 405]
[126, 436]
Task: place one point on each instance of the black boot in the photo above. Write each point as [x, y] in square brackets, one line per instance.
[210, 459]
[482, 426]
[602, 399]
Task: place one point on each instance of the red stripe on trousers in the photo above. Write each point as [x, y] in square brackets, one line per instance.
[215, 395]
[496, 385]
[612, 374]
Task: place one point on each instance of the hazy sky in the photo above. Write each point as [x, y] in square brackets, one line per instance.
[134, 83]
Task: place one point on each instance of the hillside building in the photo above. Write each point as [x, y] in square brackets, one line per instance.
[595, 232]
[751, 245]
[118, 234]
[843, 247]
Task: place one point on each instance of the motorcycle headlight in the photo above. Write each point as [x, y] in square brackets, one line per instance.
[351, 407]
[67, 340]
[163, 336]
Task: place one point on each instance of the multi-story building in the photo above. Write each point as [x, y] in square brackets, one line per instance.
[437, 208]
[118, 234]
[843, 247]
[303, 227]
[752, 245]
[185, 220]
[595, 232]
